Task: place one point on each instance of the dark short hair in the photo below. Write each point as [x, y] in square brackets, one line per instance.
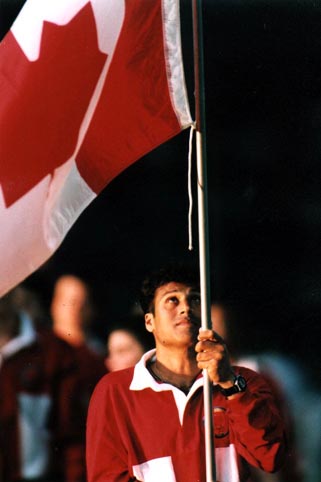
[134, 325]
[178, 273]
[9, 318]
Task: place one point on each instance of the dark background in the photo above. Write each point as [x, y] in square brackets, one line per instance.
[263, 107]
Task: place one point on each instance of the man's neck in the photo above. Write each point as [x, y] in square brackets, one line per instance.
[177, 368]
[70, 332]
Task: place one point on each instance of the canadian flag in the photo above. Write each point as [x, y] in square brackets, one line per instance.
[86, 89]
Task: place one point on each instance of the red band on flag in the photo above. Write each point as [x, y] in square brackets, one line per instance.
[135, 112]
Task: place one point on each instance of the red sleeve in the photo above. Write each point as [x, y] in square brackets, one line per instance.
[105, 455]
[256, 424]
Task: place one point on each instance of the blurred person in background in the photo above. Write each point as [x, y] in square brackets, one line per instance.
[39, 436]
[126, 344]
[71, 312]
[28, 303]
[301, 410]
[69, 321]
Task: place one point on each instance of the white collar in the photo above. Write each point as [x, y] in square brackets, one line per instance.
[142, 378]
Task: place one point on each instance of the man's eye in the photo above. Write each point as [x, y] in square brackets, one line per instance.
[195, 300]
[172, 299]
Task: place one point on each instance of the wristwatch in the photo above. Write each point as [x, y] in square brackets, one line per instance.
[239, 386]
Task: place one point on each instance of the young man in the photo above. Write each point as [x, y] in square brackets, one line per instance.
[147, 422]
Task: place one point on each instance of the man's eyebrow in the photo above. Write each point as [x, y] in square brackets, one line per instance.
[171, 291]
[193, 291]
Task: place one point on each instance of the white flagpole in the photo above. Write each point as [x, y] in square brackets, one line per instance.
[203, 225]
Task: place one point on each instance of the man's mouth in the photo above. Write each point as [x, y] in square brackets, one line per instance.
[188, 322]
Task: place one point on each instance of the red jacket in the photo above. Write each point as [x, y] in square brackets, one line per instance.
[140, 428]
[39, 437]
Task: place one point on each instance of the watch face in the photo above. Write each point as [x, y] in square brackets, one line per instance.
[240, 382]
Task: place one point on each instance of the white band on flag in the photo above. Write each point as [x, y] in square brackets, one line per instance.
[175, 69]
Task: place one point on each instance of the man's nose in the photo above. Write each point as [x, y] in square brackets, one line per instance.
[185, 306]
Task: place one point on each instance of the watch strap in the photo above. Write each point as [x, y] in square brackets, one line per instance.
[239, 386]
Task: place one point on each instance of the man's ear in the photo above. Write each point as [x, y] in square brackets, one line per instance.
[149, 322]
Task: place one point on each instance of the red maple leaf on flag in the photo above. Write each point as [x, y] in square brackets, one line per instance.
[57, 86]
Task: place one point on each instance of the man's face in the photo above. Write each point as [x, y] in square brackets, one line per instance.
[69, 301]
[176, 317]
[124, 350]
